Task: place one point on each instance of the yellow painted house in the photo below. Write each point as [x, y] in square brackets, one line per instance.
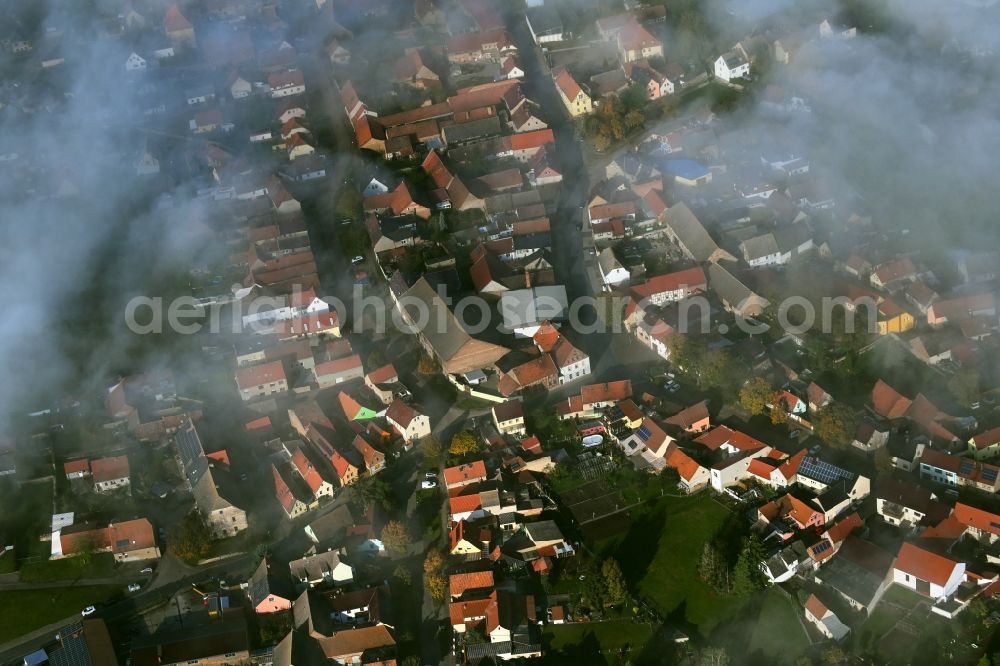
[576, 101]
[893, 319]
[985, 444]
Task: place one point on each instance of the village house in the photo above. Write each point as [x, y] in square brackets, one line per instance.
[265, 379]
[110, 473]
[576, 101]
[671, 287]
[268, 591]
[465, 474]
[322, 568]
[410, 424]
[224, 518]
[128, 540]
[927, 573]
[509, 418]
[825, 620]
[732, 65]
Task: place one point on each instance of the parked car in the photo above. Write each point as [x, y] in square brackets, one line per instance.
[134, 587]
[431, 475]
[147, 570]
[816, 449]
[794, 434]
[428, 484]
[89, 610]
[358, 259]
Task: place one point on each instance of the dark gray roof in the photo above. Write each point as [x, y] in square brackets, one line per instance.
[191, 452]
[691, 234]
[759, 246]
[472, 130]
[729, 289]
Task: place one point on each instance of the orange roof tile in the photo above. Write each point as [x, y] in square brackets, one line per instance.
[465, 473]
[977, 518]
[109, 469]
[475, 580]
[923, 564]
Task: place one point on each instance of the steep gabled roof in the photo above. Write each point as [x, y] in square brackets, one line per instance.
[924, 565]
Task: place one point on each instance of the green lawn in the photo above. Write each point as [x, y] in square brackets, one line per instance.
[101, 565]
[659, 556]
[587, 638]
[778, 634]
[23, 611]
[8, 562]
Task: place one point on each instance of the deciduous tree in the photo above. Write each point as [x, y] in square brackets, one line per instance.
[463, 443]
[755, 394]
[395, 537]
[615, 588]
[191, 539]
[835, 424]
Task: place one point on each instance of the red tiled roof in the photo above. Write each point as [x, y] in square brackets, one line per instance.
[686, 467]
[386, 373]
[923, 564]
[566, 83]
[977, 518]
[307, 471]
[895, 270]
[340, 464]
[109, 469]
[888, 402]
[174, 21]
[607, 392]
[613, 210]
[534, 139]
[546, 337]
[508, 411]
[691, 416]
[465, 473]
[720, 435]
[692, 279]
[815, 607]
[475, 580]
[941, 460]
[257, 375]
[289, 79]
[76, 466]
[843, 528]
[460, 611]
[338, 365]
[988, 438]
[761, 467]
[464, 503]
[400, 413]
[790, 467]
[281, 490]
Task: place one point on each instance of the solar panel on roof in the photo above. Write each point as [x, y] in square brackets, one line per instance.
[823, 472]
[644, 433]
[821, 548]
[965, 466]
[121, 543]
[990, 474]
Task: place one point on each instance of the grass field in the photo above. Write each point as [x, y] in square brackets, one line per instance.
[659, 556]
[101, 565]
[778, 634]
[572, 640]
[8, 562]
[23, 611]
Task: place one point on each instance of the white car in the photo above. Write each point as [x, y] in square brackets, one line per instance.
[358, 259]
[428, 484]
[147, 570]
[431, 475]
[89, 610]
[134, 587]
